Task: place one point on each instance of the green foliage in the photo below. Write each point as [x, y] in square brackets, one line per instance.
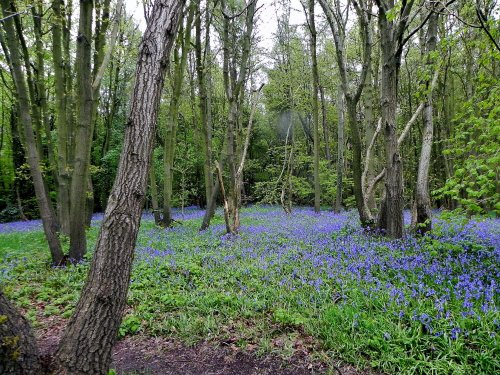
[474, 148]
[130, 326]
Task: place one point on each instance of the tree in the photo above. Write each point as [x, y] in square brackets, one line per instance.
[393, 22]
[26, 105]
[338, 22]
[422, 196]
[87, 341]
[311, 24]
[235, 71]
[169, 142]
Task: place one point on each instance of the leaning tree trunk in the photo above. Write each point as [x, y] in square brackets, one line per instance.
[47, 214]
[91, 333]
[422, 198]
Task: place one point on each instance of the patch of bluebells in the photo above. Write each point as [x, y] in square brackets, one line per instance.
[21, 226]
[308, 261]
[319, 259]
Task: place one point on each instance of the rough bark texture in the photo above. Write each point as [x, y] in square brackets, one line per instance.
[18, 350]
[47, 214]
[391, 44]
[422, 197]
[87, 342]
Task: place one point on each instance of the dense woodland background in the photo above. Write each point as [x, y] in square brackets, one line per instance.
[316, 132]
[375, 106]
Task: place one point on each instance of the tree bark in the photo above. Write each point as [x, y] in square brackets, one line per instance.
[234, 82]
[18, 350]
[86, 345]
[83, 131]
[391, 45]
[61, 121]
[326, 132]
[315, 114]
[340, 148]
[422, 197]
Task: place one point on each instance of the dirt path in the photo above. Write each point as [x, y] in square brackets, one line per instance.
[143, 355]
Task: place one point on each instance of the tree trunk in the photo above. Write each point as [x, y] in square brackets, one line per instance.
[364, 215]
[337, 22]
[47, 214]
[340, 148]
[326, 132]
[234, 83]
[422, 197]
[63, 169]
[368, 100]
[202, 72]
[173, 112]
[391, 45]
[18, 350]
[315, 114]
[83, 131]
[154, 194]
[86, 345]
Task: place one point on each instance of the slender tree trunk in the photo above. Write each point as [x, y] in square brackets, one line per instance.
[63, 168]
[315, 114]
[78, 241]
[369, 135]
[154, 194]
[86, 345]
[337, 22]
[364, 215]
[340, 148]
[422, 197]
[202, 72]
[41, 89]
[173, 113]
[326, 132]
[47, 214]
[239, 173]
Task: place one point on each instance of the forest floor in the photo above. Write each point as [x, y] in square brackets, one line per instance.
[300, 294]
[145, 355]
